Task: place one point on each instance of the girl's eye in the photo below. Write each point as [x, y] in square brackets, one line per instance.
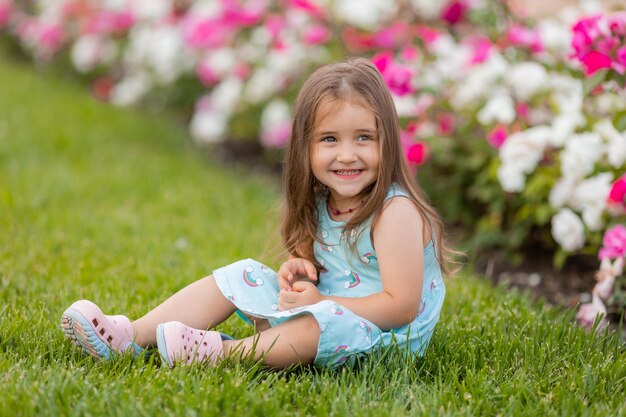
[363, 138]
[328, 139]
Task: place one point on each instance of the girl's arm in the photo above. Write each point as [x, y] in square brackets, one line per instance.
[399, 242]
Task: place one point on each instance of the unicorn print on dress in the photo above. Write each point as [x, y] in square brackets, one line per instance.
[368, 257]
[249, 279]
[353, 279]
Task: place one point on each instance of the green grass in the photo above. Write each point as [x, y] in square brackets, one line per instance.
[116, 206]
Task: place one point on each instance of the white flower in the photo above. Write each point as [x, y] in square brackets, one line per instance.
[568, 230]
[616, 148]
[428, 9]
[227, 94]
[500, 108]
[563, 126]
[151, 9]
[406, 105]
[131, 89]
[562, 191]
[580, 154]
[160, 49]
[261, 85]
[555, 36]
[275, 124]
[511, 178]
[91, 50]
[222, 61]
[526, 79]
[520, 155]
[209, 126]
[367, 14]
[590, 197]
[473, 88]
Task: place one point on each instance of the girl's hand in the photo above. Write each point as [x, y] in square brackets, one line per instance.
[292, 268]
[303, 293]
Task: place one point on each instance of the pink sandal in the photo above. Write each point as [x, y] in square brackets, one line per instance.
[97, 334]
[178, 343]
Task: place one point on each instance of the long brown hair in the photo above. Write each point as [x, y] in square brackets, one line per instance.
[356, 80]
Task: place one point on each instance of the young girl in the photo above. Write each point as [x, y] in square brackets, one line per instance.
[366, 250]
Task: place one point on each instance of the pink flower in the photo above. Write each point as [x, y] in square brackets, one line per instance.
[6, 7]
[617, 195]
[206, 74]
[585, 32]
[417, 153]
[481, 48]
[455, 11]
[207, 33]
[445, 124]
[524, 37]
[621, 55]
[307, 6]
[409, 53]
[589, 313]
[316, 34]
[594, 61]
[243, 16]
[613, 243]
[497, 136]
[522, 110]
[276, 136]
[606, 276]
[397, 77]
[427, 34]
[108, 22]
[393, 36]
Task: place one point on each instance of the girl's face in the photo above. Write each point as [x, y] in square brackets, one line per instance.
[345, 153]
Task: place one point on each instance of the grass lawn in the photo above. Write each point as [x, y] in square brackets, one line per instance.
[116, 206]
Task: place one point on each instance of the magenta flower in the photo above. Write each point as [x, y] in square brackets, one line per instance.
[585, 32]
[497, 136]
[617, 195]
[417, 153]
[455, 11]
[594, 61]
[397, 77]
[307, 6]
[613, 243]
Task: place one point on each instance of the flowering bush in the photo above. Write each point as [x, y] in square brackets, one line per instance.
[517, 127]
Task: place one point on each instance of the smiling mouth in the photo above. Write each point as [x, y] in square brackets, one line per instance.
[347, 173]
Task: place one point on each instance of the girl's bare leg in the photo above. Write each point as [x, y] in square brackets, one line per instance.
[200, 305]
[291, 342]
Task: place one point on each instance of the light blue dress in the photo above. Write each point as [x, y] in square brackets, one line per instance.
[253, 288]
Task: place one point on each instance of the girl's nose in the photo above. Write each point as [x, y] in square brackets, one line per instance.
[346, 153]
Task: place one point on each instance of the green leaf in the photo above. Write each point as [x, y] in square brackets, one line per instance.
[593, 81]
[619, 121]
